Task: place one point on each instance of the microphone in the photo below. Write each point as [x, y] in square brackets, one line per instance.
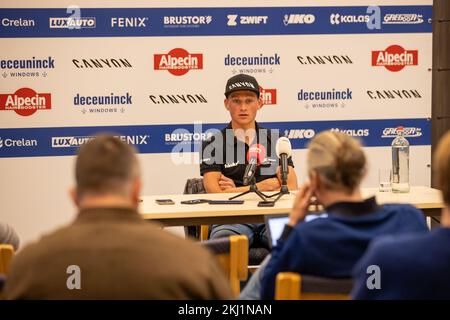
[255, 156]
[284, 151]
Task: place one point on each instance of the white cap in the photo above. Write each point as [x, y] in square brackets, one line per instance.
[283, 146]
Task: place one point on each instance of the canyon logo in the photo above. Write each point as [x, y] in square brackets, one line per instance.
[178, 61]
[395, 58]
[25, 101]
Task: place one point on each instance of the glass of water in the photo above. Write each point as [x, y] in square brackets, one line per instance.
[385, 180]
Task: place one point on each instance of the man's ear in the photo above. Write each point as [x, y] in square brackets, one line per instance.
[314, 179]
[74, 196]
[260, 103]
[136, 190]
[225, 103]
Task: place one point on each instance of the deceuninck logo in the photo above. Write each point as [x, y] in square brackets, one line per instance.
[25, 101]
[178, 61]
[395, 58]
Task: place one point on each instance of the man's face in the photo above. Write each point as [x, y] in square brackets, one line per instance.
[243, 106]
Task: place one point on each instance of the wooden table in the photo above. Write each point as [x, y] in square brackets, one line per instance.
[427, 199]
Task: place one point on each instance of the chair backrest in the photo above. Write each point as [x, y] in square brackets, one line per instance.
[6, 255]
[193, 186]
[293, 286]
[232, 254]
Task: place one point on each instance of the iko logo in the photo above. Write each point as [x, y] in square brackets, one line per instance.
[299, 133]
[411, 132]
[178, 98]
[8, 143]
[234, 18]
[393, 94]
[103, 104]
[72, 23]
[24, 64]
[178, 61]
[298, 19]
[25, 101]
[19, 23]
[402, 18]
[186, 21]
[394, 58]
[105, 63]
[268, 96]
[76, 141]
[336, 18]
[353, 132]
[129, 22]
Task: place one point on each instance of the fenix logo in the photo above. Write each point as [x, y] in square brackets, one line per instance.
[72, 23]
[129, 22]
[336, 18]
[300, 133]
[298, 19]
[410, 132]
[76, 141]
[234, 18]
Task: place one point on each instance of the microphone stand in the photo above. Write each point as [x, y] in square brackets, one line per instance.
[283, 190]
[253, 188]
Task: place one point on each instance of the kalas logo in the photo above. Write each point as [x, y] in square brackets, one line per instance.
[395, 58]
[268, 96]
[25, 101]
[178, 61]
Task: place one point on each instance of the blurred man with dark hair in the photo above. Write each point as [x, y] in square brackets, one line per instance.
[109, 251]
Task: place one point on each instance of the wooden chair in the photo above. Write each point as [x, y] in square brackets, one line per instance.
[293, 286]
[195, 186]
[232, 253]
[6, 255]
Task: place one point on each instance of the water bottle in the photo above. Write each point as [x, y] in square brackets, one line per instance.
[400, 162]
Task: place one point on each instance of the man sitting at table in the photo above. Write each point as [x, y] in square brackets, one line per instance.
[224, 160]
[109, 251]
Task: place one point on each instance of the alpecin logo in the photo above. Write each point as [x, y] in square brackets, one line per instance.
[25, 101]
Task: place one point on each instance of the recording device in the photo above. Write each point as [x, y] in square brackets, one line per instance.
[226, 201]
[164, 201]
[194, 201]
[255, 156]
[284, 151]
[266, 204]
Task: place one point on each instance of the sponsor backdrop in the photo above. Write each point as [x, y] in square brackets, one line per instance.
[155, 76]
